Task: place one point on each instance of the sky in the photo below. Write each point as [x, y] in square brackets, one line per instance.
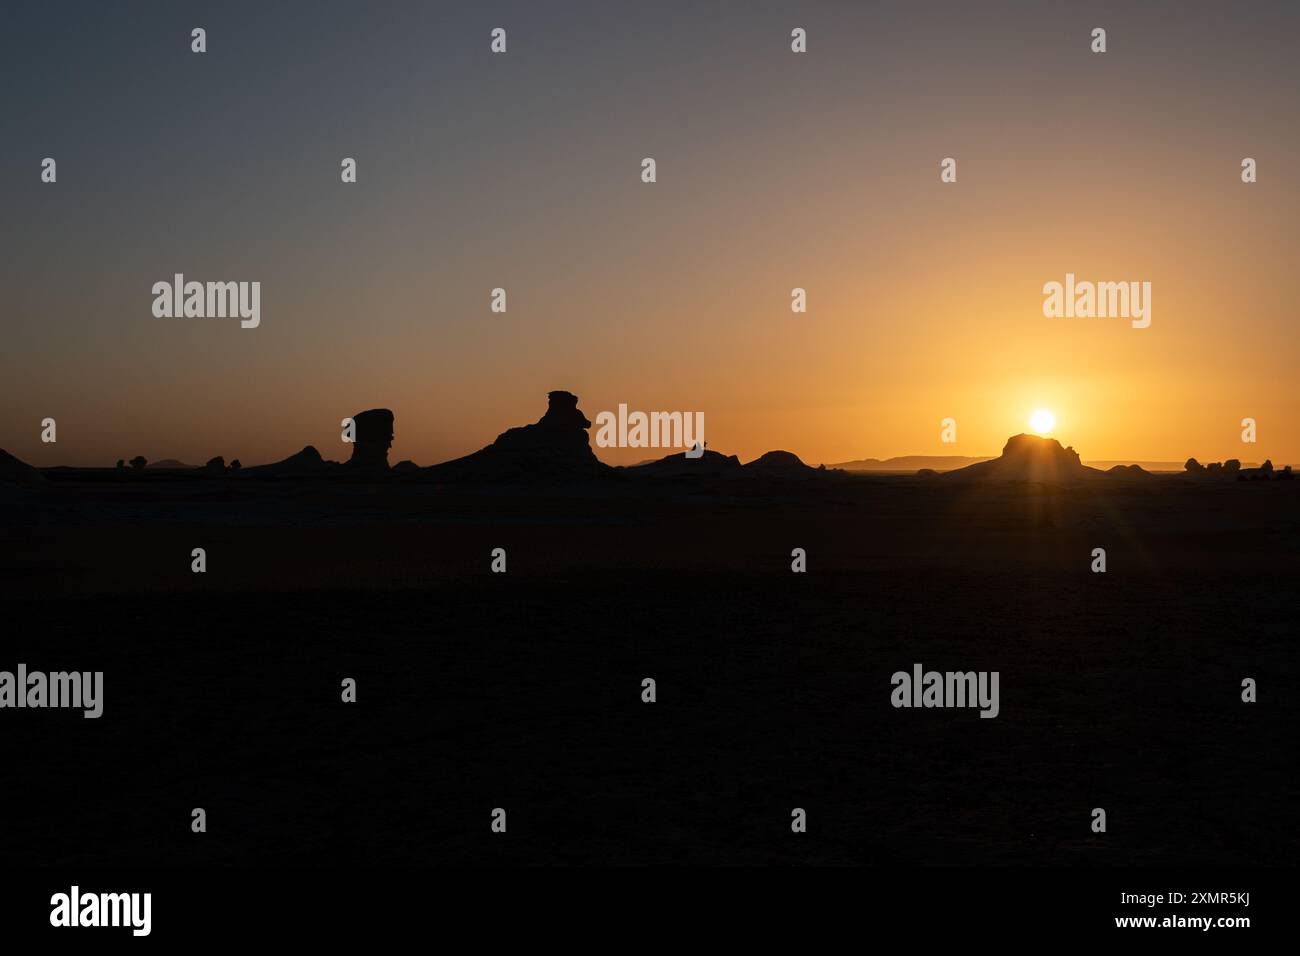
[775, 170]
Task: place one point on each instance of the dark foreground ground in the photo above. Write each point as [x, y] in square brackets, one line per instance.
[522, 690]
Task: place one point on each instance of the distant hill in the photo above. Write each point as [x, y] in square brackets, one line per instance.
[170, 464]
[710, 463]
[912, 463]
[779, 464]
[1144, 465]
[772, 464]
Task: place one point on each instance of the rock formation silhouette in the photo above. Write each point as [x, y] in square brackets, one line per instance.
[1265, 472]
[1232, 470]
[711, 464]
[306, 462]
[779, 464]
[557, 446]
[18, 471]
[1029, 458]
[373, 438]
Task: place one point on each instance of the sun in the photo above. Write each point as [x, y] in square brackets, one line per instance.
[1042, 421]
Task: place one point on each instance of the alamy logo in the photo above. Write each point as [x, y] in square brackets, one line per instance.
[102, 909]
[655, 430]
[75, 689]
[950, 689]
[1087, 300]
[179, 299]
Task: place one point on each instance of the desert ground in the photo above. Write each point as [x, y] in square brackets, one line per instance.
[522, 690]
